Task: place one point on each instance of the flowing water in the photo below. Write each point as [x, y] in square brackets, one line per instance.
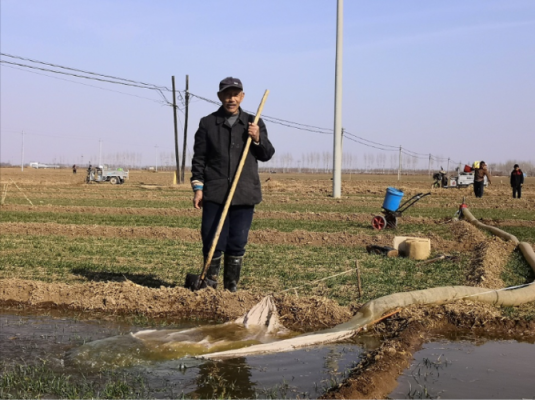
[88, 347]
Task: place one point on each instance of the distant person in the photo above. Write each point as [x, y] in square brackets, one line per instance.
[517, 180]
[479, 178]
[74, 169]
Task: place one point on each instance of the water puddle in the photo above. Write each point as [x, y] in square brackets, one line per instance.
[466, 366]
[155, 365]
[456, 365]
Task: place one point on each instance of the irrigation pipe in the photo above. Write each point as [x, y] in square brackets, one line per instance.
[375, 309]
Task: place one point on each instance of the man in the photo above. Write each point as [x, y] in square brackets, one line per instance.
[218, 147]
[517, 180]
[479, 179]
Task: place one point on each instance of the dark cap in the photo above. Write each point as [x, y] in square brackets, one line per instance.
[230, 82]
[482, 163]
[516, 166]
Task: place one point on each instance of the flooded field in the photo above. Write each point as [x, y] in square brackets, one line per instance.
[465, 366]
[97, 352]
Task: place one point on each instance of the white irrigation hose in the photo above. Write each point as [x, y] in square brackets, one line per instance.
[374, 309]
[498, 232]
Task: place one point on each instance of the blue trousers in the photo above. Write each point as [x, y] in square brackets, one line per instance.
[235, 232]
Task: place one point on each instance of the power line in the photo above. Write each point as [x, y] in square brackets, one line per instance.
[93, 86]
[80, 70]
[95, 75]
[143, 85]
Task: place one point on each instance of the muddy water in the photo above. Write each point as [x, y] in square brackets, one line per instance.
[77, 346]
[451, 366]
[468, 366]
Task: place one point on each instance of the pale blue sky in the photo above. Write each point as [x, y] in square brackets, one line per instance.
[451, 78]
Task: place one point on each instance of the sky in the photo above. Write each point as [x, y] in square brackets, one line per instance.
[442, 79]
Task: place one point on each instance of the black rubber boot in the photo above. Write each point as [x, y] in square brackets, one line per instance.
[231, 272]
[213, 269]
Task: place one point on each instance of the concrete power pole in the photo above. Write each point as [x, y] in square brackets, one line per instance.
[22, 154]
[399, 167]
[156, 158]
[177, 154]
[185, 131]
[337, 156]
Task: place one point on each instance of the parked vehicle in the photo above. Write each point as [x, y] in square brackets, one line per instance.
[41, 165]
[115, 176]
[464, 178]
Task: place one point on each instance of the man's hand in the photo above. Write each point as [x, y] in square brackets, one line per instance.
[254, 132]
[197, 199]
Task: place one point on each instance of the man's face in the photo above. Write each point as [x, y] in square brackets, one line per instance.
[231, 99]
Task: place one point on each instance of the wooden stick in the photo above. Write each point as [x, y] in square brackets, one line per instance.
[358, 279]
[441, 257]
[385, 316]
[380, 319]
[317, 280]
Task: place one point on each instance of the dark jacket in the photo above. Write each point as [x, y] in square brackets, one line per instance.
[216, 155]
[517, 178]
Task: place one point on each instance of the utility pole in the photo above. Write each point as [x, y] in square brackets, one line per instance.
[448, 169]
[100, 153]
[429, 166]
[156, 147]
[22, 153]
[337, 153]
[399, 167]
[177, 155]
[185, 130]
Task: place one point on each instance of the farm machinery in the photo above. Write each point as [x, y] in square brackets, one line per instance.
[392, 209]
[463, 178]
[115, 176]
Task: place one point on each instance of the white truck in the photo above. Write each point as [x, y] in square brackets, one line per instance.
[41, 165]
[464, 179]
[115, 176]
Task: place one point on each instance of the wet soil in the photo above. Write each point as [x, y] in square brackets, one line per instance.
[375, 377]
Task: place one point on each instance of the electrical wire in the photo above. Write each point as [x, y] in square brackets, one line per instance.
[93, 86]
[160, 89]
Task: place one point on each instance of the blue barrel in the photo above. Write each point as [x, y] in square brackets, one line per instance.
[392, 199]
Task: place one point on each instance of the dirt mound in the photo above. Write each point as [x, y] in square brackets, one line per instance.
[128, 297]
[302, 314]
[310, 313]
[467, 235]
[488, 262]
